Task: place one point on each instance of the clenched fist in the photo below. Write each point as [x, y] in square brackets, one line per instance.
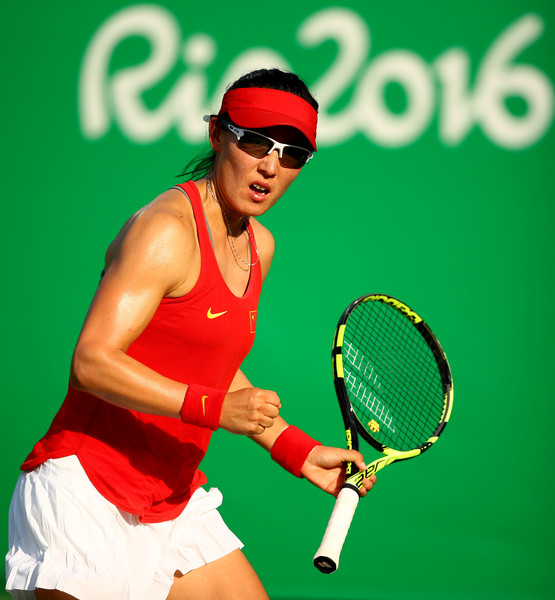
[249, 411]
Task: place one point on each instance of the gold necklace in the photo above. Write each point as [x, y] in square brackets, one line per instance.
[230, 235]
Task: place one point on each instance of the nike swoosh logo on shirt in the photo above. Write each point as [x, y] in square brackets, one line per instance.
[212, 315]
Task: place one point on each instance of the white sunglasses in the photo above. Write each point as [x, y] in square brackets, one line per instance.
[259, 145]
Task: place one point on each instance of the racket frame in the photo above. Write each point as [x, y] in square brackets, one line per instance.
[326, 558]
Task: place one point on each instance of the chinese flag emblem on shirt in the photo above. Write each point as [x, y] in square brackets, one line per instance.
[252, 315]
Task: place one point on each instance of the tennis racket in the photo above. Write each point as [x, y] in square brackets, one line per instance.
[395, 390]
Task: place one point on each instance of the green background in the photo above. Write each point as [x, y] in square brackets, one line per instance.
[459, 228]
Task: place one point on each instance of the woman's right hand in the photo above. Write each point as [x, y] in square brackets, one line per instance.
[249, 411]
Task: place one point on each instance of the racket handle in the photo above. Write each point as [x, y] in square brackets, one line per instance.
[327, 557]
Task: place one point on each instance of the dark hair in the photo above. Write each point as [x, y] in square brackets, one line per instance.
[274, 79]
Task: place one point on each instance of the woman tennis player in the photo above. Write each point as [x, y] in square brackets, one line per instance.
[110, 504]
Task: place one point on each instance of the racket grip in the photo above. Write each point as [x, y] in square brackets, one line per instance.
[327, 557]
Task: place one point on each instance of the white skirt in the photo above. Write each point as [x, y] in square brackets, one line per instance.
[65, 535]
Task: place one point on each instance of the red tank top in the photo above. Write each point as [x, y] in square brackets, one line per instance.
[146, 464]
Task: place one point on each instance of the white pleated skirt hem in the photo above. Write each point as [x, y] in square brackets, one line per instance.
[64, 535]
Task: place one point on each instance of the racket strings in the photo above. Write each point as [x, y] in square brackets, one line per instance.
[392, 376]
[415, 416]
[411, 433]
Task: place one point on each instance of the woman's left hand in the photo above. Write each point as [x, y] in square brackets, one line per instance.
[325, 468]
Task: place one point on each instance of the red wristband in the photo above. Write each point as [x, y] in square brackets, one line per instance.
[202, 406]
[291, 449]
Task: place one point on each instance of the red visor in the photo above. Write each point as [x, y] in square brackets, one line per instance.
[256, 108]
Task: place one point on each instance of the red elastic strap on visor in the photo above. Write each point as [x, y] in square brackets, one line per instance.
[256, 108]
[202, 406]
[292, 448]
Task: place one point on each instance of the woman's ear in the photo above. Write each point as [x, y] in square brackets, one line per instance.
[215, 131]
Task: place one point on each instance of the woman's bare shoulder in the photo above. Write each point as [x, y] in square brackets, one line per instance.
[169, 212]
[266, 245]
[160, 236]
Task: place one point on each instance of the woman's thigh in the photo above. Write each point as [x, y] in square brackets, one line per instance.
[229, 578]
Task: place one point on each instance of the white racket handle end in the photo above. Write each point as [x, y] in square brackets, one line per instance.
[327, 557]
